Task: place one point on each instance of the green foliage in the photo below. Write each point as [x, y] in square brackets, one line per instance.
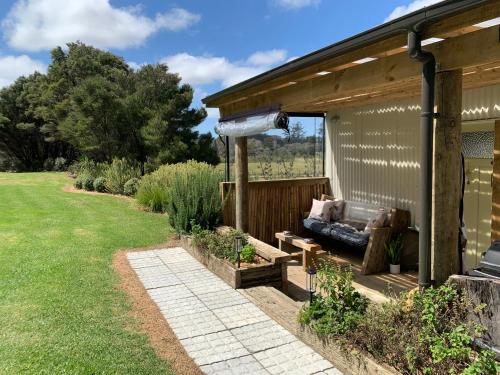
[88, 182]
[100, 184]
[248, 254]
[60, 164]
[193, 196]
[48, 164]
[79, 182]
[394, 249]
[338, 307]
[425, 333]
[131, 186]
[118, 173]
[91, 103]
[222, 245]
[89, 167]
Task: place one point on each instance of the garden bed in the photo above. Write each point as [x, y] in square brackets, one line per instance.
[270, 268]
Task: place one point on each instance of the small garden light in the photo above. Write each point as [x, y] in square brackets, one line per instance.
[311, 282]
[237, 244]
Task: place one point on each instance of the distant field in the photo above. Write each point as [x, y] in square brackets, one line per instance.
[299, 169]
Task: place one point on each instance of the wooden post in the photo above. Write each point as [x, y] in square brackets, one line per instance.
[241, 179]
[447, 176]
[495, 194]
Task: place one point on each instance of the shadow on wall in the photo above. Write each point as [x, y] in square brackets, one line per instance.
[376, 155]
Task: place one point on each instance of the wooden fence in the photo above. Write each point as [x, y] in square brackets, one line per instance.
[275, 205]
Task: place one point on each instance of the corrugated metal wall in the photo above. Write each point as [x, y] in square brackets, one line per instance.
[372, 153]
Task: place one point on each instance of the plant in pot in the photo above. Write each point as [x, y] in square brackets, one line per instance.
[394, 249]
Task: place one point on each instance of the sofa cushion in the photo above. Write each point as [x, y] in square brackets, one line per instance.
[338, 231]
[349, 235]
[317, 226]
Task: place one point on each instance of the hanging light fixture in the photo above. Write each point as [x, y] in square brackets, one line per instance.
[237, 247]
[311, 282]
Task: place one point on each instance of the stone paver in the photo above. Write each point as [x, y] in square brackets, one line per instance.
[240, 315]
[247, 365]
[220, 328]
[264, 335]
[214, 347]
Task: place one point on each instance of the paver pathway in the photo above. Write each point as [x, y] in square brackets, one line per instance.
[220, 328]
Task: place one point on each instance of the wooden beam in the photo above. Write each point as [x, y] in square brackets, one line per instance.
[450, 27]
[241, 166]
[495, 195]
[447, 175]
[381, 74]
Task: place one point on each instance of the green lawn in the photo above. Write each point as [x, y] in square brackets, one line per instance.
[60, 309]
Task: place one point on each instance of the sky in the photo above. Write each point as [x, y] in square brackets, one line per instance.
[212, 44]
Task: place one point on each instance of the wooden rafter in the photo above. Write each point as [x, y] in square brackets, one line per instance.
[393, 75]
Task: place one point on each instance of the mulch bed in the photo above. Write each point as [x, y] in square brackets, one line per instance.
[149, 317]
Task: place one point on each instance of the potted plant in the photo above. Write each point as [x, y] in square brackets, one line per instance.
[394, 249]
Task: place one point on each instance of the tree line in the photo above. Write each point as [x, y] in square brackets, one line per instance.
[91, 103]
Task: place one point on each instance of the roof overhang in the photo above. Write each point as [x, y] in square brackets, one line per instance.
[329, 73]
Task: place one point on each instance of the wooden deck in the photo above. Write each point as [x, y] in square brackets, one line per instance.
[379, 287]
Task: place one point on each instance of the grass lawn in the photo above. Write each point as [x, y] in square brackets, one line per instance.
[60, 308]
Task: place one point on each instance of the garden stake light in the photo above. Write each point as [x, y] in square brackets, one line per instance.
[311, 283]
[237, 245]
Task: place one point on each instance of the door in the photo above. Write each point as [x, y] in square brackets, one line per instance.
[477, 208]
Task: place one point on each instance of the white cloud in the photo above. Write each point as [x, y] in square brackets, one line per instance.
[11, 67]
[296, 4]
[204, 70]
[267, 57]
[34, 25]
[413, 6]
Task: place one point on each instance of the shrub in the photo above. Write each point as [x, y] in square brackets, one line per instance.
[247, 254]
[131, 186]
[424, 333]
[79, 182]
[88, 183]
[338, 307]
[219, 244]
[60, 164]
[154, 188]
[193, 196]
[48, 164]
[89, 167]
[118, 173]
[100, 184]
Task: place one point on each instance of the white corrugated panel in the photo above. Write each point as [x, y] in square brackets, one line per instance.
[372, 153]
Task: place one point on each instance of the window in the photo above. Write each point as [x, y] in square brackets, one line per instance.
[279, 155]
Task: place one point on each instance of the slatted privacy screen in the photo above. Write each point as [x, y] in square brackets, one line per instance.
[275, 205]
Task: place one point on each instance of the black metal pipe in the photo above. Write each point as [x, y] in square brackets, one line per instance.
[426, 135]
[228, 161]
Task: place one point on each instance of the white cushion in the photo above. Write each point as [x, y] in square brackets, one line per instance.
[321, 210]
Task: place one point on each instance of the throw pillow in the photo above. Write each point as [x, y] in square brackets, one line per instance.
[321, 210]
[380, 221]
[338, 209]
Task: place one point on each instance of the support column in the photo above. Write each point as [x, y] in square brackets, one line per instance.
[241, 179]
[447, 177]
[495, 194]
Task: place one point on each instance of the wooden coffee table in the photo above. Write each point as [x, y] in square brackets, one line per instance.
[292, 243]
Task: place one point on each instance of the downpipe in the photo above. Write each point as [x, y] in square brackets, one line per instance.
[426, 135]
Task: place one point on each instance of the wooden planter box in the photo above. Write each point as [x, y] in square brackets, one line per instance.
[273, 272]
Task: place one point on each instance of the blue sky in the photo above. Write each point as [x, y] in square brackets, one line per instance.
[211, 43]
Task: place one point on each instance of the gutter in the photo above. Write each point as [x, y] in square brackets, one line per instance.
[400, 25]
